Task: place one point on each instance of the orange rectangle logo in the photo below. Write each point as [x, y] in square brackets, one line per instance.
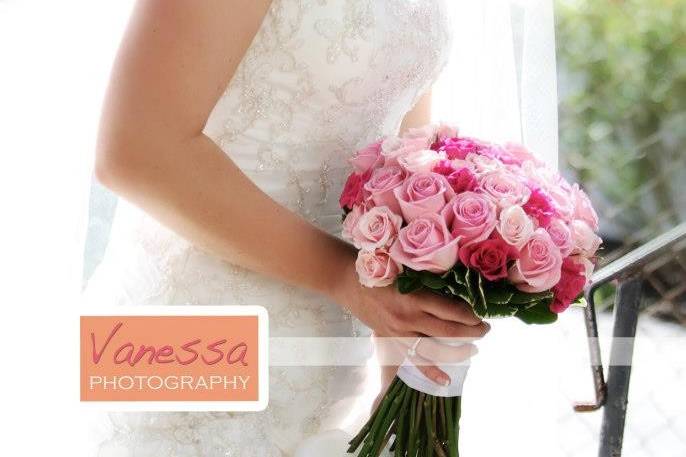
[180, 358]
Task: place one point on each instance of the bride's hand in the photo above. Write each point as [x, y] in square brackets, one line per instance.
[405, 317]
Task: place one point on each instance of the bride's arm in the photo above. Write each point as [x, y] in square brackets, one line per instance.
[175, 60]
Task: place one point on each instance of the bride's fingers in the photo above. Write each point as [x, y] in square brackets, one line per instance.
[438, 352]
[432, 326]
[432, 372]
[450, 310]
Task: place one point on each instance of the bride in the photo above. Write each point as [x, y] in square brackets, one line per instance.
[228, 127]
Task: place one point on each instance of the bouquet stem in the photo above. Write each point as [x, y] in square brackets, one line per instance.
[420, 425]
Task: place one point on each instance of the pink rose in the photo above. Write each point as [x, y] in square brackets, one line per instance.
[515, 227]
[376, 268]
[461, 179]
[540, 206]
[489, 257]
[423, 193]
[381, 184]
[586, 242]
[367, 158]
[571, 284]
[353, 191]
[561, 235]
[583, 209]
[421, 161]
[377, 228]
[470, 216]
[426, 244]
[538, 266]
[393, 148]
[350, 221]
[504, 188]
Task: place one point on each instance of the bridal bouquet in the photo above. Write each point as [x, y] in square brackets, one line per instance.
[483, 223]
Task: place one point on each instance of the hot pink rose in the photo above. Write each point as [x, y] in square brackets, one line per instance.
[583, 209]
[586, 242]
[423, 193]
[377, 228]
[350, 221]
[504, 188]
[561, 235]
[393, 148]
[538, 266]
[353, 191]
[470, 216]
[367, 158]
[540, 206]
[421, 161]
[489, 257]
[376, 268]
[458, 148]
[426, 244]
[515, 227]
[381, 184]
[461, 179]
[572, 282]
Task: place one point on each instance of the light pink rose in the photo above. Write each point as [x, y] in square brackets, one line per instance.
[376, 268]
[470, 216]
[504, 188]
[426, 244]
[586, 242]
[515, 226]
[583, 209]
[350, 221]
[481, 165]
[446, 131]
[427, 132]
[367, 158]
[561, 235]
[381, 184]
[423, 193]
[421, 161]
[539, 265]
[521, 154]
[393, 148]
[376, 229]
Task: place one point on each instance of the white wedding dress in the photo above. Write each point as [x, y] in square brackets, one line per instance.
[321, 79]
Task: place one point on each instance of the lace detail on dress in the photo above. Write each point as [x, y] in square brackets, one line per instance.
[320, 79]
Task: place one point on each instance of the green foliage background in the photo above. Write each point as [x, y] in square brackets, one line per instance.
[622, 71]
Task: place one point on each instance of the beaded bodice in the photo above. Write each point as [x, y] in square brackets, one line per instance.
[321, 78]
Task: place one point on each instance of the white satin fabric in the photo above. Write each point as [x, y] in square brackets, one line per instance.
[321, 79]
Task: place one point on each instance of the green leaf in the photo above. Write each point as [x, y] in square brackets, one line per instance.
[432, 280]
[470, 286]
[500, 310]
[537, 314]
[498, 293]
[524, 298]
[459, 272]
[407, 284]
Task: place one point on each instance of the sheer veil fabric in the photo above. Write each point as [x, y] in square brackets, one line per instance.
[500, 82]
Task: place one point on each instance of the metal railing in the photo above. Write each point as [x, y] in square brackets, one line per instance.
[632, 272]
